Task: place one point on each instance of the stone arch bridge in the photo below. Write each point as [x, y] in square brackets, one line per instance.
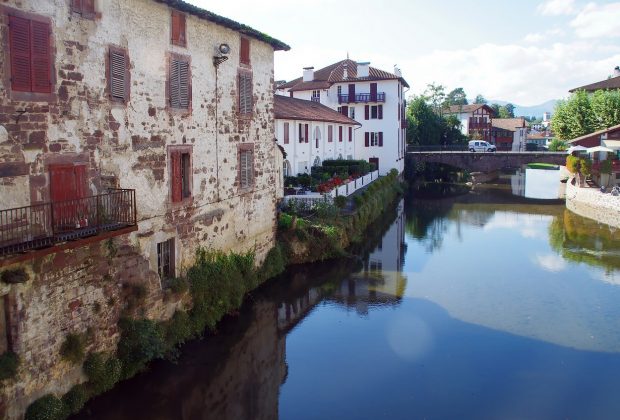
[486, 162]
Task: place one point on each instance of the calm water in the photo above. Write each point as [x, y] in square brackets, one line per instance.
[470, 306]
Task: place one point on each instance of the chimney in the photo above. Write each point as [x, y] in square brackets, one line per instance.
[363, 69]
[617, 71]
[308, 74]
[345, 71]
[397, 71]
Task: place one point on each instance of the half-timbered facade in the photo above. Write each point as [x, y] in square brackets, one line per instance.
[475, 120]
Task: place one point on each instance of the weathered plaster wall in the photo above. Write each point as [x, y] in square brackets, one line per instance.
[127, 146]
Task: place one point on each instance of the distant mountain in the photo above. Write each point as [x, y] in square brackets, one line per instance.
[530, 111]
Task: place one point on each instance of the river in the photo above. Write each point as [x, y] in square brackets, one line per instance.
[462, 305]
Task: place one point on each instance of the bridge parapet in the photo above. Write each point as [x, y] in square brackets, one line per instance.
[486, 162]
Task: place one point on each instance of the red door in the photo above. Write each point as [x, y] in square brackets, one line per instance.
[352, 93]
[67, 185]
[373, 92]
[375, 161]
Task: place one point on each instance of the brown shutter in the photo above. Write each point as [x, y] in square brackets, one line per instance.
[350, 134]
[380, 138]
[306, 133]
[19, 32]
[118, 67]
[345, 111]
[174, 84]
[245, 93]
[286, 133]
[301, 136]
[88, 8]
[81, 185]
[244, 51]
[179, 84]
[373, 92]
[41, 57]
[175, 164]
[366, 139]
[340, 133]
[330, 133]
[177, 32]
[366, 112]
[76, 6]
[380, 112]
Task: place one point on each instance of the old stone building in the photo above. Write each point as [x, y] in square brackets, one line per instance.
[131, 133]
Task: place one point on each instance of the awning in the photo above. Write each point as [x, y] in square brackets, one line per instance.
[599, 149]
[612, 144]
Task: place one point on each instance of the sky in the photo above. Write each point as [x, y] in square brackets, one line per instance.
[525, 52]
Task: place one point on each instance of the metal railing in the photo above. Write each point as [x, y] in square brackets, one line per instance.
[361, 97]
[41, 225]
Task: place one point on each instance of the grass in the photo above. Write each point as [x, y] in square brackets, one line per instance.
[547, 166]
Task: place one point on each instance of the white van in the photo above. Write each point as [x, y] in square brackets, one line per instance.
[481, 146]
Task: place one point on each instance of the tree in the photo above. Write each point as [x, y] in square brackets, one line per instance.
[480, 99]
[495, 108]
[427, 127]
[510, 110]
[574, 117]
[606, 108]
[436, 96]
[557, 145]
[456, 97]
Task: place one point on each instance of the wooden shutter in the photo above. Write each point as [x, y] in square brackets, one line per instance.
[380, 112]
[352, 92]
[19, 33]
[245, 93]
[340, 133]
[366, 112]
[88, 8]
[330, 133]
[244, 51]
[179, 84]
[380, 138]
[345, 111]
[175, 179]
[246, 168]
[177, 32]
[367, 139]
[301, 134]
[118, 68]
[286, 133]
[306, 133]
[373, 92]
[41, 57]
[350, 134]
[76, 6]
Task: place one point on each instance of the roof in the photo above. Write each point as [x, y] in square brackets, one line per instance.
[467, 109]
[611, 83]
[287, 108]
[226, 22]
[334, 73]
[508, 123]
[612, 144]
[596, 133]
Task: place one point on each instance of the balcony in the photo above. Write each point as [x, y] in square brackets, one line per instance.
[361, 98]
[45, 225]
[615, 166]
[480, 125]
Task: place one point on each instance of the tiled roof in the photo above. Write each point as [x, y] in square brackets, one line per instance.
[334, 73]
[596, 133]
[458, 109]
[510, 124]
[612, 83]
[287, 108]
[226, 22]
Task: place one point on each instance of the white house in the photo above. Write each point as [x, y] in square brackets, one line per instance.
[311, 133]
[371, 96]
[518, 126]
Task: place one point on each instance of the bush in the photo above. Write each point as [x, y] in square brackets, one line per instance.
[48, 407]
[178, 285]
[572, 164]
[274, 264]
[75, 399]
[585, 167]
[606, 166]
[72, 349]
[9, 362]
[285, 221]
[178, 329]
[102, 374]
[141, 341]
[340, 201]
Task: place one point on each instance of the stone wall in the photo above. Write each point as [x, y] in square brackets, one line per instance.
[593, 204]
[127, 146]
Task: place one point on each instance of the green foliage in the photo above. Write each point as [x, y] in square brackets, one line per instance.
[141, 341]
[606, 108]
[427, 127]
[285, 221]
[72, 349]
[9, 362]
[177, 330]
[435, 96]
[274, 264]
[48, 407]
[75, 399]
[583, 114]
[557, 145]
[102, 373]
[606, 166]
[480, 99]
[456, 97]
[178, 285]
[585, 167]
[572, 164]
[340, 201]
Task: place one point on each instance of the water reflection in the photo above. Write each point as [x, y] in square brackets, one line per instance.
[537, 183]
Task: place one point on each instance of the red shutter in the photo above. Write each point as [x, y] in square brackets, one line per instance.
[20, 53]
[366, 139]
[373, 92]
[76, 6]
[41, 57]
[340, 133]
[352, 92]
[81, 176]
[244, 51]
[380, 112]
[350, 134]
[380, 138]
[62, 183]
[88, 8]
[330, 133]
[285, 133]
[175, 164]
[306, 138]
[175, 33]
[366, 112]
[301, 135]
[345, 111]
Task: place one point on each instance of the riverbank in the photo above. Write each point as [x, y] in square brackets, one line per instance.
[215, 285]
[593, 204]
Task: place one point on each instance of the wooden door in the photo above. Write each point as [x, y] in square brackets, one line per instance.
[373, 92]
[352, 93]
[67, 186]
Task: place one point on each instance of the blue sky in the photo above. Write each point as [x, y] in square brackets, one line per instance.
[525, 52]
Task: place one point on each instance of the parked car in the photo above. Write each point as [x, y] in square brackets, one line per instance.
[481, 146]
[531, 147]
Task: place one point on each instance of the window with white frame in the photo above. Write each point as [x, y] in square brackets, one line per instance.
[352, 112]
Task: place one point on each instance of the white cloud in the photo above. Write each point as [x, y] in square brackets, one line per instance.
[556, 7]
[525, 75]
[551, 262]
[534, 38]
[596, 21]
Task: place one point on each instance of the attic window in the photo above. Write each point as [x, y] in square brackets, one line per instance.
[244, 51]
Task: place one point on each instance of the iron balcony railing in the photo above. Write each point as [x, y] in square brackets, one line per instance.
[361, 97]
[42, 225]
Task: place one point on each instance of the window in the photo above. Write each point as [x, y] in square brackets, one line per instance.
[316, 96]
[286, 133]
[373, 139]
[179, 86]
[165, 259]
[177, 32]
[330, 133]
[245, 93]
[180, 173]
[352, 112]
[339, 109]
[86, 8]
[29, 45]
[350, 134]
[244, 51]
[118, 74]
[373, 112]
[340, 133]
[303, 133]
[246, 166]
[339, 90]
